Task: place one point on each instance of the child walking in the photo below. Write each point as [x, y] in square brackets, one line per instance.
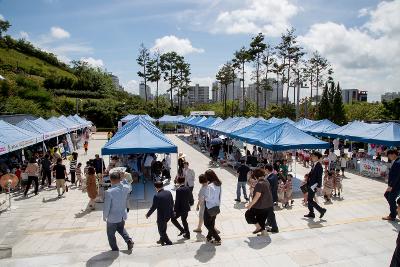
[86, 146]
[289, 191]
[281, 191]
[338, 184]
[78, 172]
[328, 186]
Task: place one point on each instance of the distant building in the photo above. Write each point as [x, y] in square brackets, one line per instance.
[390, 96]
[115, 81]
[142, 91]
[234, 91]
[275, 96]
[351, 96]
[197, 95]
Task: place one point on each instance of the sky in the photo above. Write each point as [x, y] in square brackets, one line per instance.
[360, 38]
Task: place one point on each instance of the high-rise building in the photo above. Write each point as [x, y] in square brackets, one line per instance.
[233, 91]
[197, 94]
[390, 96]
[115, 81]
[142, 92]
[273, 96]
[351, 96]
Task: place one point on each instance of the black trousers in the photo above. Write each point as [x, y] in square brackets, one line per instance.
[46, 174]
[311, 203]
[209, 223]
[271, 219]
[162, 230]
[30, 180]
[391, 199]
[72, 177]
[185, 227]
[254, 216]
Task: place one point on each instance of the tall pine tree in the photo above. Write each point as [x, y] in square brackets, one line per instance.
[338, 113]
[324, 106]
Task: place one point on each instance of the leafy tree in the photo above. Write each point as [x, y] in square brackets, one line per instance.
[183, 80]
[257, 48]
[282, 111]
[168, 64]
[268, 61]
[392, 109]
[319, 65]
[154, 71]
[278, 69]
[225, 77]
[242, 56]
[143, 60]
[365, 111]
[4, 25]
[338, 113]
[325, 107]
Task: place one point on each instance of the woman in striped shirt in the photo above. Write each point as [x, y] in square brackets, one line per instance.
[72, 167]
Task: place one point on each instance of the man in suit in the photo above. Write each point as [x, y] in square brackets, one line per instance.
[182, 207]
[163, 203]
[115, 211]
[272, 178]
[314, 184]
[393, 189]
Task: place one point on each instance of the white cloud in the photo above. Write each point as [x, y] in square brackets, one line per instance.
[132, 87]
[268, 16]
[72, 48]
[59, 33]
[2, 17]
[172, 43]
[363, 57]
[363, 12]
[93, 62]
[24, 35]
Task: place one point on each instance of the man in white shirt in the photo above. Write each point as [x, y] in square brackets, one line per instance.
[148, 161]
[189, 179]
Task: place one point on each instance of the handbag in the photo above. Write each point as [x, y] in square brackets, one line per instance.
[304, 188]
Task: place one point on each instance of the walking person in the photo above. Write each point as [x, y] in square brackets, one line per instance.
[261, 206]
[115, 211]
[32, 170]
[273, 181]
[395, 262]
[60, 172]
[242, 171]
[213, 201]
[182, 207]
[343, 163]
[99, 166]
[163, 203]
[393, 189]
[190, 176]
[72, 167]
[91, 187]
[314, 184]
[46, 170]
[201, 202]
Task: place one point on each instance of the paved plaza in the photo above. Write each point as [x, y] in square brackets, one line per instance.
[46, 231]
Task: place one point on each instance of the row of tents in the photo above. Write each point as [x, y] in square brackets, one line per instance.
[30, 132]
[387, 134]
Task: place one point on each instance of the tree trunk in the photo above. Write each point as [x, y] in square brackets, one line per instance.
[172, 99]
[316, 99]
[277, 88]
[266, 80]
[225, 93]
[288, 83]
[258, 86]
[145, 81]
[243, 92]
[233, 92]
[157, 94]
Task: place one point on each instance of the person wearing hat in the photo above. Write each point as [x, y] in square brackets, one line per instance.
[314, 184]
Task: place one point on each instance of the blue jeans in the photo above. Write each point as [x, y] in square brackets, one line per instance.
[116, 227]
[241, 185]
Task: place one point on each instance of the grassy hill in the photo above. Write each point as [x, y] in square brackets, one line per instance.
[13, 62]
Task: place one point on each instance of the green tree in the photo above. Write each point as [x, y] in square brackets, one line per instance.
[338, 113]
[324, 106]
[225, 77]
[256, 51]
[242, 56]
[268, 61]
[168, 64]
[154, 70]
[392, 109]
[319, 65]
[143, 60]
[183, 80]
[4, 25]
[283, 111]
[365, 111]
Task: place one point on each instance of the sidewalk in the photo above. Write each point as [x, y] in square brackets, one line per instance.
[58, 233]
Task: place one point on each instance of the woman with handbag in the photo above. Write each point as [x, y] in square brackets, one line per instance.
[32, 170]
[261, 206]
[213, 201]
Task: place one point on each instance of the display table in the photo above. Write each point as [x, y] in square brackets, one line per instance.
[373, 168]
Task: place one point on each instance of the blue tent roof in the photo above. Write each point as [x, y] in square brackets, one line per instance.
[138, 137]
[226, 124]
[387, 134]
[355, 131]
[242, 123]
[170, 119]
[33, 127]
[274, 120]
[321, 128]
[16, 138]
[72, 124]
[209, 122]
[53, 129]
[278, 136]
[59, 124]
[82, 120]
[304, 123]
[195, 121]
[132, 116]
